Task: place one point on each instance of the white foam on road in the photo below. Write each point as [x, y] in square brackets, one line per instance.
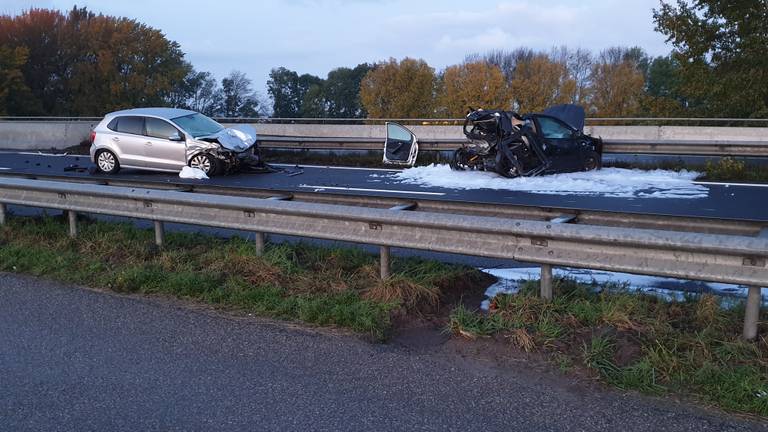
[508, 282]
[613, 182]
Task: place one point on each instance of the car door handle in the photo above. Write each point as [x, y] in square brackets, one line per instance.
[148, 143]
[115, 139]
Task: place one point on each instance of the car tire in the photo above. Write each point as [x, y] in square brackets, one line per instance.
[592, 161]
[106, 162]
[459, 160]
[205, 162]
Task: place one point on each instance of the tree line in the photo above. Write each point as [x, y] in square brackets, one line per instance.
[85, 64]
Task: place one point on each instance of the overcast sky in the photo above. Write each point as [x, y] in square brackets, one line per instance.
[315, 36]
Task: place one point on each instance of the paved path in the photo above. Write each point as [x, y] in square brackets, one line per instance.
[75, 359]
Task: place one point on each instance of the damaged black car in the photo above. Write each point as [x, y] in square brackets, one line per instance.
[513, 145]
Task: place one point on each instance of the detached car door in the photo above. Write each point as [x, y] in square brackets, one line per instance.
[165, 147]
[401, 146]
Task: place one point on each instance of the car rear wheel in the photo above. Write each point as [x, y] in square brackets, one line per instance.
[107, 162]
[206, 163]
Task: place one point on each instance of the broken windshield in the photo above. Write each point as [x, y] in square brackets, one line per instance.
[198, 125]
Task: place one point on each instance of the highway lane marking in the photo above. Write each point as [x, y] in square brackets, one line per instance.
[322, 188]
[4, 168]
[339, 167]
[731, 184]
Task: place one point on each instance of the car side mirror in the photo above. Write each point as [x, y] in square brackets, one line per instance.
[176, 137]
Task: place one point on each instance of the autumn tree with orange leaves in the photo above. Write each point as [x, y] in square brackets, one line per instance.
[87, 64]
[403, 89]
[15, 95]
[477, 84]
[617, 86]
[539, 83]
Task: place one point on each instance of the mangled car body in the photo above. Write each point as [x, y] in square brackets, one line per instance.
[167, 139]
[512, 145]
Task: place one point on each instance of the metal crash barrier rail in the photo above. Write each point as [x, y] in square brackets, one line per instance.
[735, 259]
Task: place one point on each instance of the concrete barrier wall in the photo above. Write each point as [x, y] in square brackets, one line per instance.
[45, 135]
[354, 131]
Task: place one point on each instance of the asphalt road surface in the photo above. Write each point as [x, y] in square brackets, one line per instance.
[80, 360]
[731, 201]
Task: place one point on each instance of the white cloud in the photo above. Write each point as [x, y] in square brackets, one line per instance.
[454, 17]
[491, 39]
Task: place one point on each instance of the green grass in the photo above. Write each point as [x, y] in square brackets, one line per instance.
[634, 341]
[730, 169]
[725, 169]
[329, 287]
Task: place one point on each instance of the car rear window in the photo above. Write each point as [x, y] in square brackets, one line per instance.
[157, 128]
[131, 125]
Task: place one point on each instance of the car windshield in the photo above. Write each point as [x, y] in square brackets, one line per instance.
[198, 125]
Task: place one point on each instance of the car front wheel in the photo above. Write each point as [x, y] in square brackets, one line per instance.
[107, 162]
[204, 162]
[592, 161]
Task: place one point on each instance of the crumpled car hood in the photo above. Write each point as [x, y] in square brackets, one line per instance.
[237, 139]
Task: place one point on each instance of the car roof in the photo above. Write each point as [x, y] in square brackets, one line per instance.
[166, 113]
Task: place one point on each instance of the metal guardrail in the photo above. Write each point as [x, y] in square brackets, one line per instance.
[711, 257]
[676, 147]
[708, 225]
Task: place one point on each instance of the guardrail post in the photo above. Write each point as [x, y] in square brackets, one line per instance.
[752, 313]
[384, 257]
[159, 233]
[3, 209]
[260, 241]
[545, 282]
[72, 216]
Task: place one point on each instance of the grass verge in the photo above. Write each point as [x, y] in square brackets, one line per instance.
[725, 169]
[329, 287]
[634, 341]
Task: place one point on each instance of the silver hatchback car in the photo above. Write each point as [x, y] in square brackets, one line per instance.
[167, 139]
